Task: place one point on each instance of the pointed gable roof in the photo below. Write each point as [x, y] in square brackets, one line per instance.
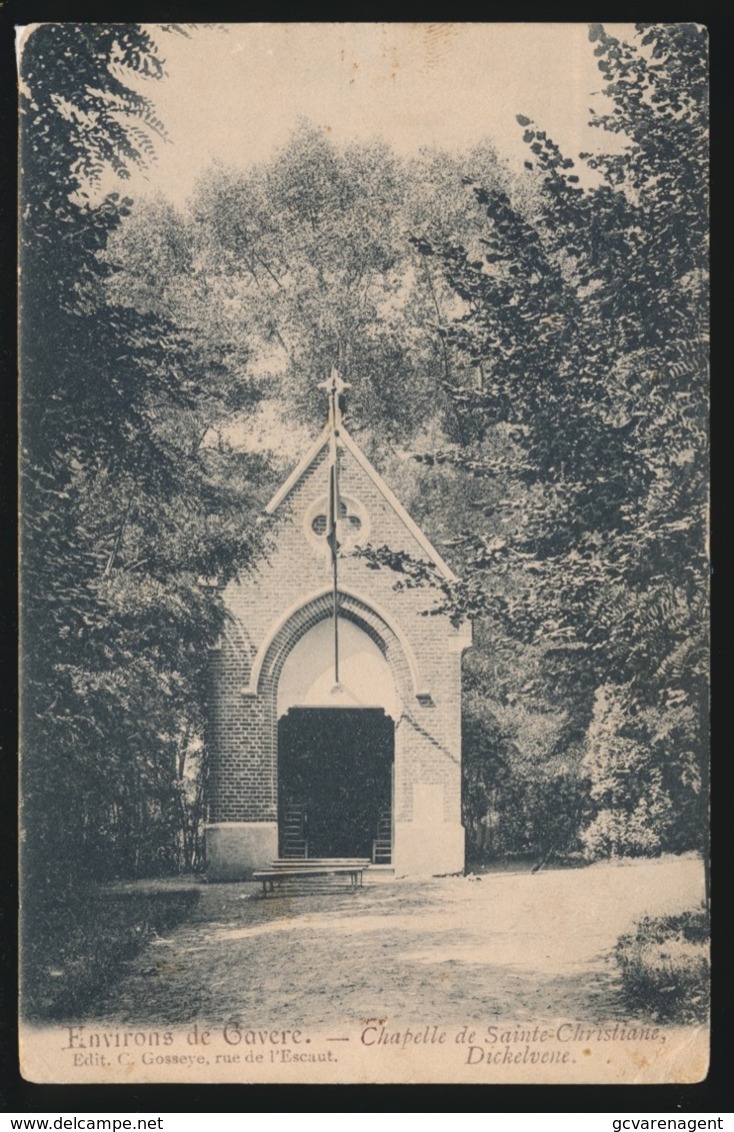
[349, 444]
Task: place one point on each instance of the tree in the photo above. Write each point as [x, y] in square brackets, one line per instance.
[304, 262]
[586, 325]
[123, 512]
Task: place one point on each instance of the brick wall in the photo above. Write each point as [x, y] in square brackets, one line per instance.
[274, 605]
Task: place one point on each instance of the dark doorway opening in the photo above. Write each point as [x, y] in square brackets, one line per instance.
[334, 781]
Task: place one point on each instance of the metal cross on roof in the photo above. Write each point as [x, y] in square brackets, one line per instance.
[334, 386]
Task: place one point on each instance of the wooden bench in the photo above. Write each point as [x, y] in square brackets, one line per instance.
[286, 868]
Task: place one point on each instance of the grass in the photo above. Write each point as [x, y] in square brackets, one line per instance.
[665, 966]
[73, 947]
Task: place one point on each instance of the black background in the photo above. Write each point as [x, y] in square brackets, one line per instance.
[713, 1095]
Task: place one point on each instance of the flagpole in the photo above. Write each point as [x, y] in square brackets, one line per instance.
[335, 554]
[336, 624]
[334, 386]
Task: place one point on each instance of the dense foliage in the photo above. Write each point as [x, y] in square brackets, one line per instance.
[666, 968]
[585, 425]
[293, 266]
[124, 512]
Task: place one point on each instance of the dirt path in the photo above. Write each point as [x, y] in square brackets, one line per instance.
[507, 946]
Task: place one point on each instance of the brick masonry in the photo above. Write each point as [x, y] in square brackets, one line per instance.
[271, 608]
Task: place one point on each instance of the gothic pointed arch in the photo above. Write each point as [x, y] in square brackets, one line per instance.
[288, 629]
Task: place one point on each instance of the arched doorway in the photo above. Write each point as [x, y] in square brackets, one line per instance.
[336, 747]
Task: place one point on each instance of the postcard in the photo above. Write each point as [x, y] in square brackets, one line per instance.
[364, 690]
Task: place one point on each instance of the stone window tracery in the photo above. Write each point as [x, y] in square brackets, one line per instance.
[353, 523]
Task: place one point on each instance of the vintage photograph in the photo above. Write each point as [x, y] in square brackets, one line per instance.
[364, 553]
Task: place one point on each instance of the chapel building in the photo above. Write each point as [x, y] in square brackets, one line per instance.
[303, 764]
